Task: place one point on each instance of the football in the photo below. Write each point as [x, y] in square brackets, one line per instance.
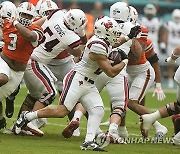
[117, 56]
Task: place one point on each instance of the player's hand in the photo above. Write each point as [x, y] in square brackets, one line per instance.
[159, 92]
[134, 32]
[170, 60]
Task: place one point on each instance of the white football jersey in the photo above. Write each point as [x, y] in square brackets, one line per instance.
[173, 36]
[88, 67]
[153, 26]
[57, 38]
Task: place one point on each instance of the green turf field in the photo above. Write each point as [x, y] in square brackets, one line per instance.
[54, 143]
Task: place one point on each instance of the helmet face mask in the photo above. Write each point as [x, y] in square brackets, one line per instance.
[26, 13]
[108, 29]
[120, 11]
[75, 19]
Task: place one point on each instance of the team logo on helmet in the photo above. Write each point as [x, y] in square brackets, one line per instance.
[108, 25]
[116, 11]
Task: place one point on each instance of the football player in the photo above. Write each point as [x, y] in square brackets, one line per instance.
[168, 110]
[20, 38]
[171, 39]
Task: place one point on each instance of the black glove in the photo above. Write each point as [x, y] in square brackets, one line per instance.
[134, 31]
[123, 54]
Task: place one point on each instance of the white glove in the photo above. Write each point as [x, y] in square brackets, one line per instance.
[170, 60]
[160, 93]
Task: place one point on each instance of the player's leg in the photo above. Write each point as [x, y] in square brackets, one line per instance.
[118, 92]
[138, 89]
[93, 104]
[10, 103]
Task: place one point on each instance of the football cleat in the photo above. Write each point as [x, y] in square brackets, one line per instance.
[22, 133]
[115, 138]
[69, 129]
[102, 139]
[160, 133]
[122, 132]
[176, 139]
[3, 123]
[76, 132]
[145, 124]
[91, 145]
[33, 129]
[20, 123]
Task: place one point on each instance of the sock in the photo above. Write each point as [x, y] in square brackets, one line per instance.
[31, 115]
[95, 116]
[77, 114]
[113, 126]
[156, 115]
[122, 128]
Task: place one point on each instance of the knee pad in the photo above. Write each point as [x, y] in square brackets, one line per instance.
[29, 101]
[176, 109]
[119, 111]
[47, 99]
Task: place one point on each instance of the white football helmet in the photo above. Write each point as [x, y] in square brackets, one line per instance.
[47, 7]
[107, 28]
[133, 15]
[38, 5]
[150, 9]
[7, 10]
[176, 15]
[119, 11]
[75, 19]
[26, 8]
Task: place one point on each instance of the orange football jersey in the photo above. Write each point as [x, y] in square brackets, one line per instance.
[16, 47]
[143, 38]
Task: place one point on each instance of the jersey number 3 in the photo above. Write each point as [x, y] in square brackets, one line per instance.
[12, 45]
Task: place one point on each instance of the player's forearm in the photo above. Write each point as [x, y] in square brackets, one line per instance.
[25, 32]
[157, 70]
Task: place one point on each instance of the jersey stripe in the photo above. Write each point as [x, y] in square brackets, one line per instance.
[98, 42]
[68, 82]
[145, 85]
[75, 44]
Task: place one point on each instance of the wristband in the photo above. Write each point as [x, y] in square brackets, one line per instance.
[158, 85]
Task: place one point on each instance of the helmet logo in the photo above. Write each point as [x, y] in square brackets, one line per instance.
[116, 11]
[108, 25]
